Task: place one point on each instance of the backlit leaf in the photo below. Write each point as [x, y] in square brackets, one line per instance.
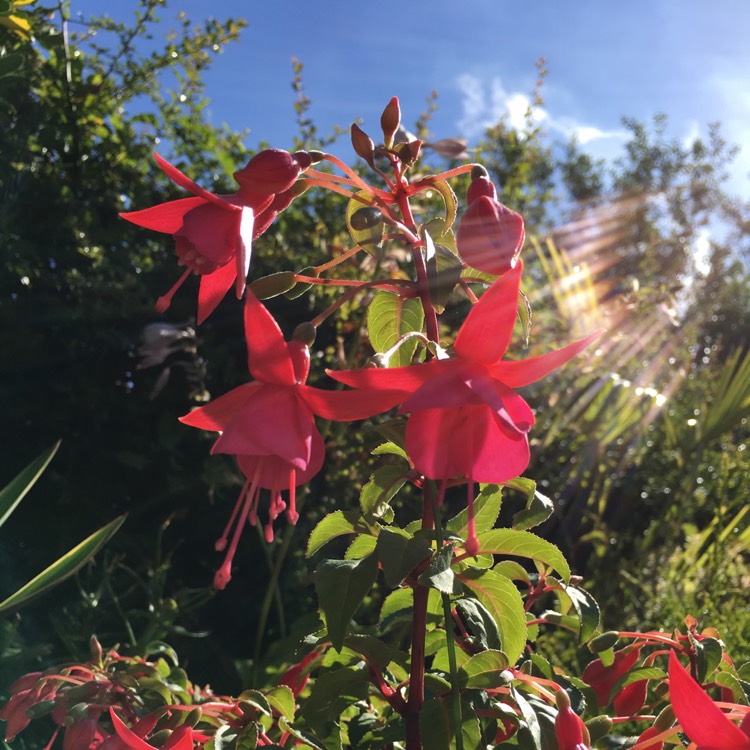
[389, 317]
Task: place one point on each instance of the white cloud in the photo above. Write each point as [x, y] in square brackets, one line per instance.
[484, 105]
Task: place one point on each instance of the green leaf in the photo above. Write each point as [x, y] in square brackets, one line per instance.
[390, 448]
[486, 510]
[529, 716]
[479, 624]
[331, 693]
[399, 554]
[61, 569]
[247, 739]
[484, 670]
[437, 728]
[282, 699]
[333, 525]
[361, 547]
[341, 585]
[369, 237]
[384, 483]
[503, 600]
[305, 737]
[587, 610]
[451, 205]
[708, 655]
[374, 650]
[16, 490]
[443, 273]
[439, 575]
[389, 317]
[538, 506]
[256, 699]
[524, 544]
[10, 64]
[636, 675]
[513, 570]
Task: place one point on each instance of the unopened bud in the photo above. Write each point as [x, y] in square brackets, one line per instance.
[477, 171]
[390, 120]
[362, 144]
[409, 152]
[193, 717]
[158, 739]
[603, 642]
[598, 727]
[378, 360]
[301, 286]
[76, 713]
[273, 285]
[40, 709]
[305, 332]
[95, 649]
[665, 719]
[366, 218]
[303, 159]
[316, 156]
[480, 186]
[269, 171]
[79, 693]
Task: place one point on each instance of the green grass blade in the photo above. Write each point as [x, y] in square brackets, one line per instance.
[63, 568]
[13, 493]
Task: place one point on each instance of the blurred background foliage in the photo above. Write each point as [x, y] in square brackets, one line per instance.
[642, 446]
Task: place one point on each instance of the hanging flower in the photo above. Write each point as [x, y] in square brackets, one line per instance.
[570, 731]
[700, 718]
[465, 418]
[490, 235]
[603, 678]
[269, 424]
[214, 233]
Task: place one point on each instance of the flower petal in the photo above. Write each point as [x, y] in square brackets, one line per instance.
[186, 183]
[217, 414]
[486, 332]
[406, 379]
[213, 233]
[345, 406]
[244, 249]
[130, 738]
[448, 389]
[701, 719]
[273, 423]
[166, 217]
[525, 371]
[268, 357]
[212, 289]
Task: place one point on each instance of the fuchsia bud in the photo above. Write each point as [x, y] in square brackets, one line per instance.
[269, 172]
[362, 144]
[390, 120]
[569, 727]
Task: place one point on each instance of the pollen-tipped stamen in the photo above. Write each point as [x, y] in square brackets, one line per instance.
[163, 303]
[291, 513]
[221, 543]
[472, 543]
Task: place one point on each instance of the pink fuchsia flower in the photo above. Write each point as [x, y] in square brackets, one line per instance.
[465, 417]
[490, 235]
[214, 233]
[700, 718]
[570, 731]
[269, 424]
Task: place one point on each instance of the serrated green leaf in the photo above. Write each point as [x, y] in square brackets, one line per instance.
[524, 544]
[437, 727]
[15, 491]
[503, 600]
[389, 317]
[484, 670]
[513, 570]
[538, 506]
[247, 739]
[361, 547]
[399, 554]
[384, 484]
[374, 650]
[305, 737]
[341, 585]
[390, 448]
[708, 655]
[587, 610]
[63, 568]
[479, 624]
[333, 525]
[331, 693]
[486, 510]
[439, 574]
[636, 675]
[282, 699]
[256, 699]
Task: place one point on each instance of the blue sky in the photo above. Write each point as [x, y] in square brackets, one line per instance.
[686, 58]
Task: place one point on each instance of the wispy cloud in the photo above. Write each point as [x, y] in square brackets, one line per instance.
[486, 103]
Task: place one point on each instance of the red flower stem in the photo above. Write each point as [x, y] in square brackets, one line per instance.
[358, 181]
[328, 185]
[393, 697]
[650, 637]
[392, 285]
[464, 284]
[455, 172]
[338, 259]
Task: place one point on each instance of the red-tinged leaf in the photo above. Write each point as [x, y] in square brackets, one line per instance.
[268, 356]
[487, 330]
[213, 287]
[346, 406]
[700, 718]
[186, 183]
[217, 414]
[406, 379]
[525, 371]
[166, 217]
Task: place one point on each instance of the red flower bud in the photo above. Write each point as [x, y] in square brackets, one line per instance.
[490, 236]
[268, 172]
[569, 727]
[390, 120]
[362, 144]
[480, 186]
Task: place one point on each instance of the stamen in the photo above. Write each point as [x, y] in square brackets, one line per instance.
[224, 573]
[291, 514]
[163, 303]
[472, 543]
[221, 543]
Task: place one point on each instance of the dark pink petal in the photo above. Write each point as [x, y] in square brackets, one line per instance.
[166, 217]
[490, 235]
[487, 330]
[465, 441]
[629, 701]
[213, 288]
[603, 678]
[217, 414]
[525, 371]
[180, 739]
[700, 718]
[213, 233]
[267, 353]
[345, 406]
[405, 379]
[275, 422]
[507, 405]
[273, 472]
[448, 389]
[186, 183]
[131, 740]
